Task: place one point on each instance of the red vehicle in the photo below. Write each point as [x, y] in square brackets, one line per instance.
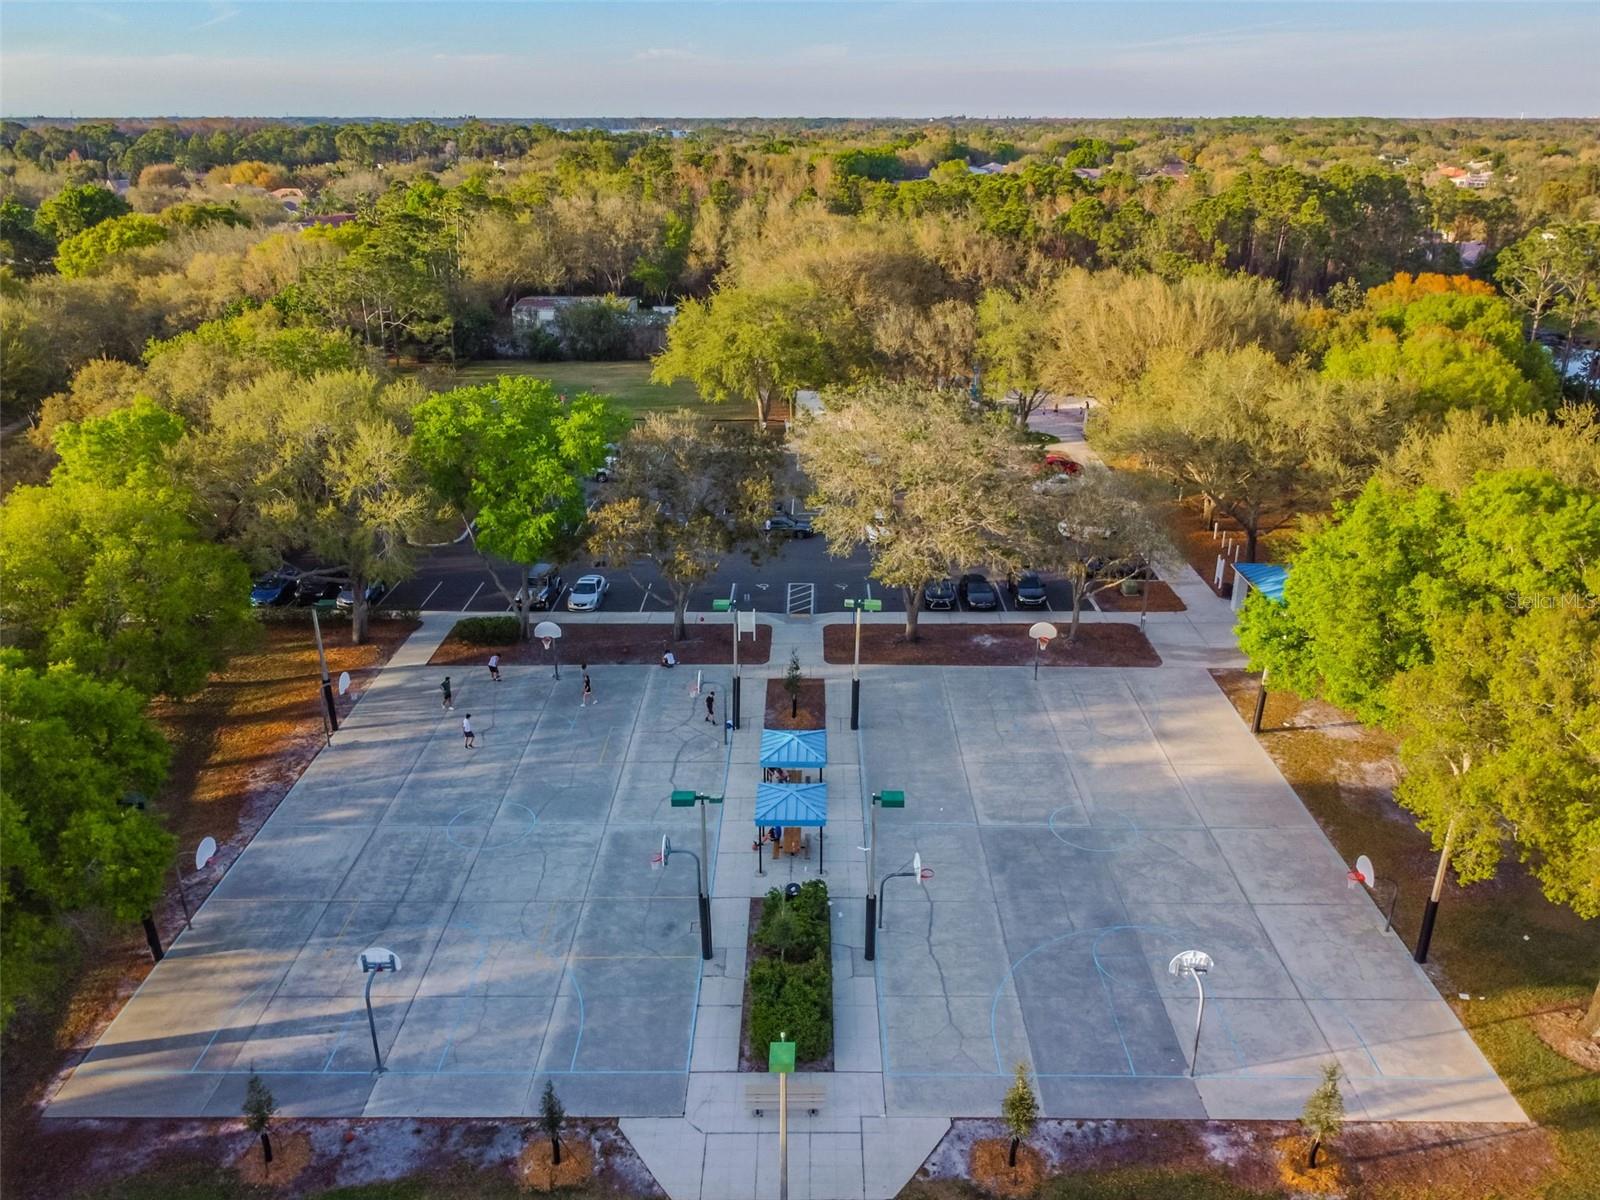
[1060, 462]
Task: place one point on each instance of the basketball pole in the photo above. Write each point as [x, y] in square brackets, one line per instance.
[322, 665]
[1431, 912]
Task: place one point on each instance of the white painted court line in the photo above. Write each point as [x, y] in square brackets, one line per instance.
[429, 596]
[472, 597]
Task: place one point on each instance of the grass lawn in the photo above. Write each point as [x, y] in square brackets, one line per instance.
[628, 383]
[1501, 943]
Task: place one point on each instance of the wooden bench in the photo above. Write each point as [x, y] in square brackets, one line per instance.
[763, 1097]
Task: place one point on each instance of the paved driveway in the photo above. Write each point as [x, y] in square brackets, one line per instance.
[513, 881]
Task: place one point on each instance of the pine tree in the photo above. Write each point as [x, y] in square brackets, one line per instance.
[1323, 1117]
[259, 1107]
[551, 1117]
[1020, 1110]
[791, 683]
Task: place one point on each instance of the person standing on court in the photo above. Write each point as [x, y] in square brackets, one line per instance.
[588, 688]
[494, 667]
[711, 707]
[445, 688]
[466, 732]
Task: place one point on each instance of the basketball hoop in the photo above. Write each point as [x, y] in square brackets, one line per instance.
[927, 873]
[548, 642]
[655, 862]
[1353, 877]
[1044, 644]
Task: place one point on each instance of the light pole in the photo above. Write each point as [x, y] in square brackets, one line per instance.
[879, 800]
[728, 606]
[322, 666]
[374, 961]
[1195, 963]
[699, 865]
[780, 1061]
[1430, 911]
[855, 670]
[550, 633]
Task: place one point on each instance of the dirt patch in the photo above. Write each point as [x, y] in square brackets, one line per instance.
[1162, 599]
[237, 748]
[615, 645]
[291, 1155]
[1385, 1160]
[988, 644]
[1294, 1156]
[1192, 534]
[1559, 1031]
[463, 1157]
[537, 1169]
[992, 1170]
[812, 712]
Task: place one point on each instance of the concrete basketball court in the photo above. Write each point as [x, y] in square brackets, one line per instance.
[1083, 830]
[513, 881]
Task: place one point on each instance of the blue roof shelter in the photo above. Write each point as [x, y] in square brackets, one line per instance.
[783, 805]
[794, 749]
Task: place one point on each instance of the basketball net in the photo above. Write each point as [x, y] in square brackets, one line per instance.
[548, 642]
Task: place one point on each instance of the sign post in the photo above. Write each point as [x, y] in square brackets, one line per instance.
[780, 1061]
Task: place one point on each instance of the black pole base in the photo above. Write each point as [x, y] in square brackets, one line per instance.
[333, 709]
[872, 927]
[152, 937]
[855, 704]
[705, 926]
[1425, 936]
[1261, 707]
[736, 704]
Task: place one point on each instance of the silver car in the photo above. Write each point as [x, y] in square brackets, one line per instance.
[587, 594]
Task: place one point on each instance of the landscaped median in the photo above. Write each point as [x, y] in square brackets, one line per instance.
[474, 639]
[789, 989]
[991, 644]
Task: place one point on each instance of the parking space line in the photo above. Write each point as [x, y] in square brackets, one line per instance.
[646, 598]
[421, 607]
[472, 597]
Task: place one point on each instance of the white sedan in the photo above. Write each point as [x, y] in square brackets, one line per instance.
[587, 593]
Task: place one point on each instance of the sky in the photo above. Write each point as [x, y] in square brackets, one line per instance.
[598, 58]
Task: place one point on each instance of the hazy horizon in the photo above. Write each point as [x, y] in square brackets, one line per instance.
[905, 60]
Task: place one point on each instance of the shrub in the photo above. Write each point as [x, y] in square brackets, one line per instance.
[795, 929]
[487, 631]
[791, 985]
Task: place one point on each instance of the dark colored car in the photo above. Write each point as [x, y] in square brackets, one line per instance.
[940, 594]
[544, 586]
[781, 522]
[310, 589]
[1027, 590]
[269, 591]
[376, 590]
[978, 592]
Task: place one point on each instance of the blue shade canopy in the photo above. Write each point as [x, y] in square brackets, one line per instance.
[1266, 578]
[792, 804]
[794, 749]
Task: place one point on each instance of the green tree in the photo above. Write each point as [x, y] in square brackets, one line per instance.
[1020, 1109]
[686, 493]
[1014, 348]
[259, 1109]
[1529, 271]
[511, 457]
[324, 465]
[919, 479]
[1323, 1117]
[72, 748]
[23, 247]
[85, 253]
[792, 679]
[758, 344]
[74, 209]
[551, 1117]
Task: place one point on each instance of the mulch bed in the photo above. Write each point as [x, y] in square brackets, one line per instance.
[1162, 599]
[813, 711]
[986, 644]
[616, 645]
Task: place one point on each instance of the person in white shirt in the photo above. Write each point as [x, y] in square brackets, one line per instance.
[466, 731]
[494, 667]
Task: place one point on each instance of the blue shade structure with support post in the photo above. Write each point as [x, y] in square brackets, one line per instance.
[786, 805]
[794, 749]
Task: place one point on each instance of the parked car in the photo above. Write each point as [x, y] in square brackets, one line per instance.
[940, 594]
[309, 589]
[544, 586]
[780, 522]
[1062, 463]
[376, 590]
[269, 591]
[587, 594]
[608, 468]
[1027, 590]
[978, 592]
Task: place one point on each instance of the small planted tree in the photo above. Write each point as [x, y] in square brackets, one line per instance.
[791, 682]
[1323, 1117]
[551, 1117]
[259, 1107]
[1020, 1110]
